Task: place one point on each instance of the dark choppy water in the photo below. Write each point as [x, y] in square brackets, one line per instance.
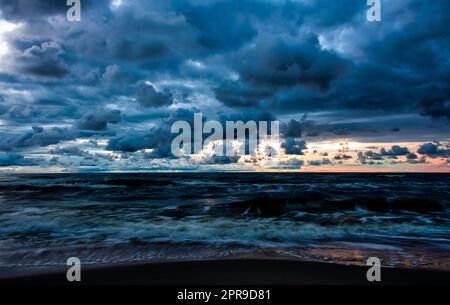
[106, 218]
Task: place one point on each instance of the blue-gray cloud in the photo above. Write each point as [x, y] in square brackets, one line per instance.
[13, 159]
[231, 59]
[434, 150]
[99, 120]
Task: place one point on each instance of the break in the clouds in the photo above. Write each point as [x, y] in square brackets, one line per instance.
[101, 94]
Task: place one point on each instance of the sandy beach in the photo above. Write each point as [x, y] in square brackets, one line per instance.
[233, 272]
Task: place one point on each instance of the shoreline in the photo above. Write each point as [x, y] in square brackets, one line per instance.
[242, 271]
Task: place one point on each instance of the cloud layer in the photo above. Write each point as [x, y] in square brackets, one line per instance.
[112, 84]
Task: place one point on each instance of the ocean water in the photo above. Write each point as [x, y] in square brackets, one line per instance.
[120, 218]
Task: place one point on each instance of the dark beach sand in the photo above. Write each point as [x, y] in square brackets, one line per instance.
[234, 272]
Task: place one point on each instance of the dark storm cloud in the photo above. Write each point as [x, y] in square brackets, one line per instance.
[248, 114]
[99, 120]
[251, 60]
[220, 160]
[425, 37]
[328, 14]
[13, 159]
[275, 66]
[237, 94]
[150, 36]
[422, 160]
[39, 112]
[369, 157]
[303, 127]
[3, 108]
[147, 96]
[434, 150]
[224, 25]
[412, 156]
[292, 73]
[437, 107]
[159, 138]
[133, 140]
[286, 62]
[44, 60]
[129, 50]
[293, 129]
[38, 137]
[395, 150]
[294, 146]
[25, 9]
[324, 161]
[342, 156]
[19, 10]
[68, 151]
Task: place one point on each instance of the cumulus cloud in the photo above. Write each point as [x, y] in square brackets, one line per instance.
[44, 60]
[413, 159]
[342, 156]
[324, 161]
[433, 150]
[369, 157]
[292, 162]
[395, 150]
[412, 156]
[293, 146]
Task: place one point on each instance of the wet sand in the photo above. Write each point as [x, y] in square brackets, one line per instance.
[233, 272]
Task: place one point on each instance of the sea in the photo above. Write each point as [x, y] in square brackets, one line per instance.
[124, 218]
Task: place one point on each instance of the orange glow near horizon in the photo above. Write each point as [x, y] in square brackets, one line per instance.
[318, 157]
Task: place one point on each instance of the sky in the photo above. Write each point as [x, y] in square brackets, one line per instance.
[101, 94]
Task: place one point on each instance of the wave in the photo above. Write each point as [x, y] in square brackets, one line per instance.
[42, 214]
